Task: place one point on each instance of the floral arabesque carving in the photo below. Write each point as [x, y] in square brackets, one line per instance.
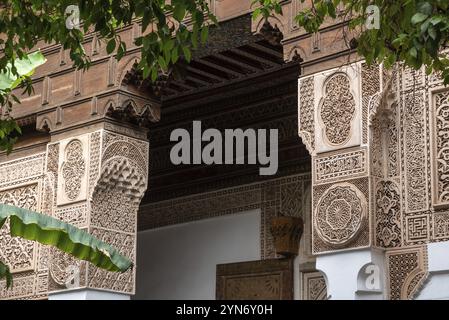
[441, 142]
[337, 109]
[73, 169]
[17, 253]
[306, 113]
[388, 215]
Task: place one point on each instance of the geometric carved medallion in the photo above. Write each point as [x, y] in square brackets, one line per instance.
[340, 213]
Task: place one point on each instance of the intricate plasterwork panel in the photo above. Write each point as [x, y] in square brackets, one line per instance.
[392, 146]
[415, 152]
[74, 214]
[441, 225]
[338, 166]
[73, 168]
[413, 80]
[292, 199]
[340, 217]
[337, 109]
[388, 215]
[377, 155]
[370, 86]
[94, 163]
[417, 228]
[313, 286]
[21, 170]
[306, 112]
[384, 133]
[118, 282]
[51, 179]
[440, 144]
[407, 270]
[48, 194]
[18, 254]
[22, 181]
[339, 214]
[24, 287]
[117, 195]
[135, 150]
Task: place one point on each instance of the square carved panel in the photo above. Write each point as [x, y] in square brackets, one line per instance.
[255, 280]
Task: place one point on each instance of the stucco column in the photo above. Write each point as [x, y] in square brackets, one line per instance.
[95, 181]
[336, 111]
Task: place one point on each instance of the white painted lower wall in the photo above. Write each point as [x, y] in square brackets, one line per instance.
[179, 262]
[87, 294]
[345, 276]
[436, 286]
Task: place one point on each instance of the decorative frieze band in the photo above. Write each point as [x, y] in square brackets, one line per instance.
[339, 166]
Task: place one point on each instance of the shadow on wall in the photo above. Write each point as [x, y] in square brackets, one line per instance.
[179, 262]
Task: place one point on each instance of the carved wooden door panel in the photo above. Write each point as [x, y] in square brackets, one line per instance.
[255, 280]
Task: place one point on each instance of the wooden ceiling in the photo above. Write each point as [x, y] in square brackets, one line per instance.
[224, 68]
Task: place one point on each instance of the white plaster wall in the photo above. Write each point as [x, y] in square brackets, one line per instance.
[87, 294]
[341, 271]
[179, 262]
[436, 286]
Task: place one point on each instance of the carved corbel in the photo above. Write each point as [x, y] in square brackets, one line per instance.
[383, 103]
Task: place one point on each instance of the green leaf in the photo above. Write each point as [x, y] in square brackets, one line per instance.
[419, 17]
[110, 46]
[162, 63]
[174, 55]
[24, 67]
[47, 230]
[425, 8]
[204, 34]
[432, 33]
[436, 20]
[413, 52]
[187, 53]
[179, 12]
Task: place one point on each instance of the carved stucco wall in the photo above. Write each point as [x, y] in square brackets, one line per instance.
[94, 181]
[21, 184]
[386, 184]
[106, 181]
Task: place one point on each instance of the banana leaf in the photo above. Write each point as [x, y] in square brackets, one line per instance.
[44, 229]
[25, 68]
